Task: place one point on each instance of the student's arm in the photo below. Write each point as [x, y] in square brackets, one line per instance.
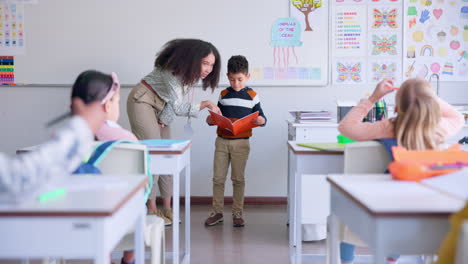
[353, 127]
[452, 120]
[58, 157]
[258, 107]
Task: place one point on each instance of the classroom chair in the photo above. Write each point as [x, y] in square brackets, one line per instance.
[128, 158]
[364, 157]
[462, 248]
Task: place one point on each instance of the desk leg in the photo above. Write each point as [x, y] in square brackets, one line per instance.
[288, 191]
[298, 216]
[187, 214]
[139, 239]
[175, 221]
[291, 208]
[333, 242]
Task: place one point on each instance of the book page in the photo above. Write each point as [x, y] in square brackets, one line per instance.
[240, 125]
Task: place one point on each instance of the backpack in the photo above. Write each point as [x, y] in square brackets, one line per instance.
[89, 166]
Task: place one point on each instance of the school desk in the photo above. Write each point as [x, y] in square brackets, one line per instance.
[173, 162]
[86, 222]
[313, 164]
[391, 217]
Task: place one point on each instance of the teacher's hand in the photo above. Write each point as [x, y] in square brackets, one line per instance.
[210, 105]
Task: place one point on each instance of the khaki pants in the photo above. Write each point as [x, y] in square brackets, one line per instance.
[143, 108]
[236, 153]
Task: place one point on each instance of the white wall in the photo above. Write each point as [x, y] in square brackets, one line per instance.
[25, 110]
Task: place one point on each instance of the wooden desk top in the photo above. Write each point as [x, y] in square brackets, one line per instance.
[86, 196]
[381, 196]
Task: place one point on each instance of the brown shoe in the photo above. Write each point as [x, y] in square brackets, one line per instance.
[159, 213]
[215, 218]
[237, 220]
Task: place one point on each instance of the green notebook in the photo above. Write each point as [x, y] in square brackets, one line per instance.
[324, 146]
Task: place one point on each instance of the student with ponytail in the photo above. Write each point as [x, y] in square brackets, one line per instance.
[423, 121]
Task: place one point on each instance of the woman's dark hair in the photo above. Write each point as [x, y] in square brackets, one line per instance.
[91, 86]
[183, 58]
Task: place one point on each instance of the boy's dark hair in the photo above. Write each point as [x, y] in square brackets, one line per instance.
[91, 86]
[238, 64]
[183, 58]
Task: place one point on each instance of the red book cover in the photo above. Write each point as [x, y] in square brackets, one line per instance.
[236, 127]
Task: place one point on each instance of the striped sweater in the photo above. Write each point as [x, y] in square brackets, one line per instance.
[235, 105]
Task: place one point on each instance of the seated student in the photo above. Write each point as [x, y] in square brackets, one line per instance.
[424, 121]
[96, 86]
[57, 158]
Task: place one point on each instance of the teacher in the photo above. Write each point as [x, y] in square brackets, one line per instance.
[167, 92]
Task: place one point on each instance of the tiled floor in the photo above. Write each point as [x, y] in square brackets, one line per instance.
[264, 239]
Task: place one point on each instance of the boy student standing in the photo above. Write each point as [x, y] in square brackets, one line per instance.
[235, 102]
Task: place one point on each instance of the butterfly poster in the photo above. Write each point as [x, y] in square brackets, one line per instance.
[384, 18]
[349, 72]
[384, 44]
[380, 70]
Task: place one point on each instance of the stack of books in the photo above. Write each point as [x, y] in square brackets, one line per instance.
[310, 116]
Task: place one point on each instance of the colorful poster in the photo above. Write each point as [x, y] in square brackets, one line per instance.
[298, 47]
[349, 71]
[384, 44]
[436, 39]
[12, 39]
[349, 31]
[384, 69]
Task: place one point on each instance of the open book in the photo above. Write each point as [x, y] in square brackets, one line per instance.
[236, 127]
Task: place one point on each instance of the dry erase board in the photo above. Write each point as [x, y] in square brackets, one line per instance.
[66, 37]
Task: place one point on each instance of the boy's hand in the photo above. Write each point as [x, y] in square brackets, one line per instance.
[259, 120]
[92, 113]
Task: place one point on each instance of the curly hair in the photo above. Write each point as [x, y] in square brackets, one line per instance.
[238, 64]
[183, 58]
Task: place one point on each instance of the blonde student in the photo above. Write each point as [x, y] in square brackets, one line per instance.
[56, 158]
[235, 102]
[423, 121]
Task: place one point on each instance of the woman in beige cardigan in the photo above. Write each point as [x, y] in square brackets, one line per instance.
[167, 92]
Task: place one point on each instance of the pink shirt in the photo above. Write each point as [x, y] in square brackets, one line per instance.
[353, 127]
[110, 130]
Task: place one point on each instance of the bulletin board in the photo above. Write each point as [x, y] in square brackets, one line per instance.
[366, 41]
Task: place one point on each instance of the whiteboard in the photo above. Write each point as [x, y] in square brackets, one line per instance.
[63, 38]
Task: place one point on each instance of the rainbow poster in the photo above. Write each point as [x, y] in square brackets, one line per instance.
[436, 39]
